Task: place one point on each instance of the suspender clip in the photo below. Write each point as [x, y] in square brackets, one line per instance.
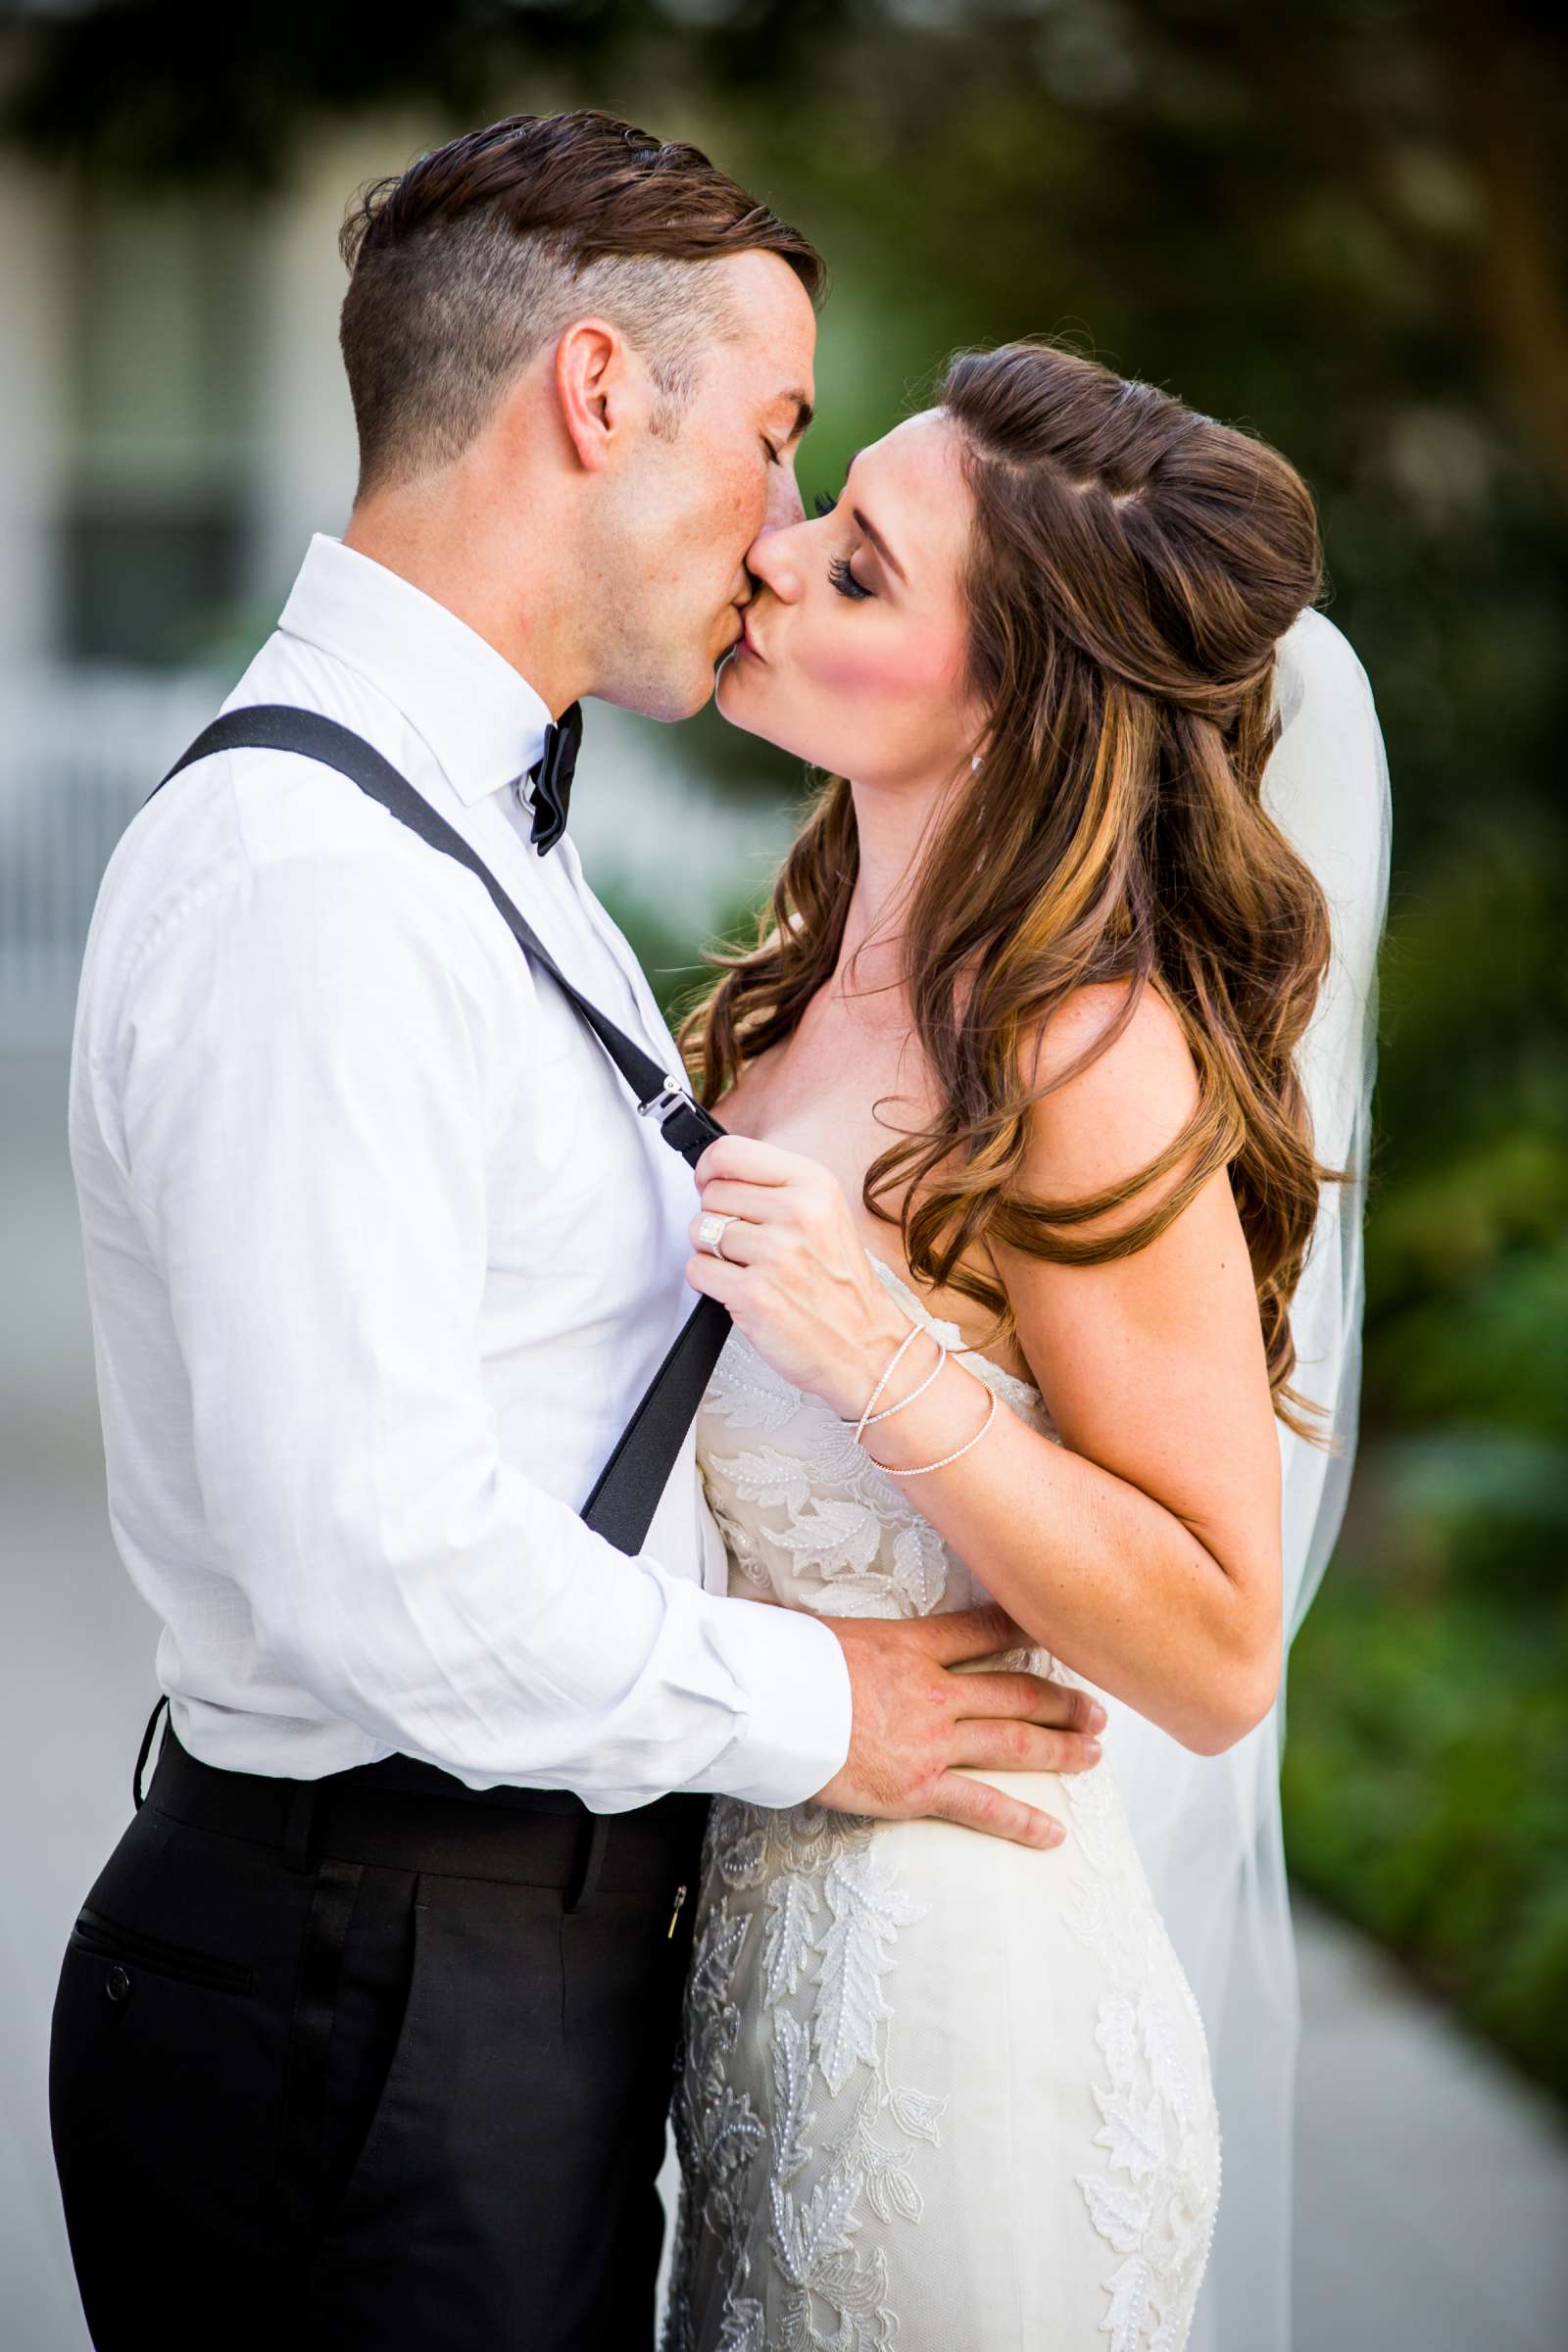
[683, 1123]
[671, 1097]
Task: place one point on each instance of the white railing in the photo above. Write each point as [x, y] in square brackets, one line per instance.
[80, 750]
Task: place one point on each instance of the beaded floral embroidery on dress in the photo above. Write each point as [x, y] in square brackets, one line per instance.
[849, 1542]
[832, 1916]
[1154, 2197]
[808, 1519]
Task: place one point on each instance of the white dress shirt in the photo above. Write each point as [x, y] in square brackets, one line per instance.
[381, 1258]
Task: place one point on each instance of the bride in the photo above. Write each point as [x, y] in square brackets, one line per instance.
[1019, 1184]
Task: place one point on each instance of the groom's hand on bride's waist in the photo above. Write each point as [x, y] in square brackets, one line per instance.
[921, 1728]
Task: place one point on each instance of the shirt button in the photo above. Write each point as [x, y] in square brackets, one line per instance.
[117, 1983]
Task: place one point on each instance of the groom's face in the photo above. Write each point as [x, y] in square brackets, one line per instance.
[697, 502]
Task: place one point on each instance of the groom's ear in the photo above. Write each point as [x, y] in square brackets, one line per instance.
[594, 389]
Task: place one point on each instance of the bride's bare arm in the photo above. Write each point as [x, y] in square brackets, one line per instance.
[1145, 1550]
[1158, 1567]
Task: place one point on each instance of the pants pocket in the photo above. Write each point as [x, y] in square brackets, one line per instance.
[163, 2131]
[133, 1949]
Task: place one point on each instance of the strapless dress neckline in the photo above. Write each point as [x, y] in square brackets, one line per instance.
[1007, 1386]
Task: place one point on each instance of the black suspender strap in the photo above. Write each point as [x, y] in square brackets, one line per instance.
[277, 727]
[628, 1491]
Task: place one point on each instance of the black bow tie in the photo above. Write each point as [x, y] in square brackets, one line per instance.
[551, 778]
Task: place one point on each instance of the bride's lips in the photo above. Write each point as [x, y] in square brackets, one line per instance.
[748, 640]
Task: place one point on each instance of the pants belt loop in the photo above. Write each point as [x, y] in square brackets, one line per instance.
[297, 1829]
[590, 1861]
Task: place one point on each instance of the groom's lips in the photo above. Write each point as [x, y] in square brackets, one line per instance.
[748, 640]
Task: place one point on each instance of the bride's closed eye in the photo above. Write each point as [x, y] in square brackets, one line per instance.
[844, 579]
[838, 568]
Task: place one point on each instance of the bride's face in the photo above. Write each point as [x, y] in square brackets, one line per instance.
[853, 654]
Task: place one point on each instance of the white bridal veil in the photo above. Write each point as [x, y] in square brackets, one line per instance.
[1208, 1827]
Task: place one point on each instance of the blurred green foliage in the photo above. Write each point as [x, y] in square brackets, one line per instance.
[1425, 1785]
[1340, 225]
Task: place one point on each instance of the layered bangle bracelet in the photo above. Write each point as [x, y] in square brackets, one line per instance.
[870, 1419]
[892, 1363]
[921, 1468]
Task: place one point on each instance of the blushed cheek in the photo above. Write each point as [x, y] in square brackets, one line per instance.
[900, 667]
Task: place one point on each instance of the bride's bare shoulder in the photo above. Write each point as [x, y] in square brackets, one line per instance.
[1103, 1122]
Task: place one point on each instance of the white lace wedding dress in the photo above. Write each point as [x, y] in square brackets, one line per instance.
[938, 2092]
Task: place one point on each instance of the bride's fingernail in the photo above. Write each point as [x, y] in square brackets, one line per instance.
[1092, 1751]
[1097, 1717]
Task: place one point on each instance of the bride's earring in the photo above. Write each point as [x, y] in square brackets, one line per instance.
[976, 763]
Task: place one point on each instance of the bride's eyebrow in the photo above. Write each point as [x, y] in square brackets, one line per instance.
[865, 523]
[880, 544]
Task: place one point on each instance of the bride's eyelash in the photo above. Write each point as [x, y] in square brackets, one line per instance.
[838, 568]
[844, 579]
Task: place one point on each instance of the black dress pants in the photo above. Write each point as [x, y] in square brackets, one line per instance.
[371, 2066]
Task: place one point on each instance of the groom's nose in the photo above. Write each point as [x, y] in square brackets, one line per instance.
[783, 508]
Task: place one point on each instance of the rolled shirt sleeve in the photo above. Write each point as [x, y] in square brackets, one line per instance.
[309, 1055]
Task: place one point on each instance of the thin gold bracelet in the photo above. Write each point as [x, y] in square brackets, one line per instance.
[921, 1468]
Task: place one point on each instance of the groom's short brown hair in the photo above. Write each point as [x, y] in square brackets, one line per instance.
[484, 250]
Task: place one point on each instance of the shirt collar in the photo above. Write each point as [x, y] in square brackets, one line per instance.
[480, 718]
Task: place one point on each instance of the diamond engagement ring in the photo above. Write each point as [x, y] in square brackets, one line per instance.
[710, 1233]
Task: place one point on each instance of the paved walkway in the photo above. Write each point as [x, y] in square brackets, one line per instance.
[1433, 2188]
[1432, 2184]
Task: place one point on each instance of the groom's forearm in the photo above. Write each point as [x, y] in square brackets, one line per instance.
[530, 1651]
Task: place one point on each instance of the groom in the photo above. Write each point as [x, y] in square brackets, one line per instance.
[364, 2035]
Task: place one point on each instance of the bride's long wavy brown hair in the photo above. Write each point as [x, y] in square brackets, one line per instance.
[1132, 566]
